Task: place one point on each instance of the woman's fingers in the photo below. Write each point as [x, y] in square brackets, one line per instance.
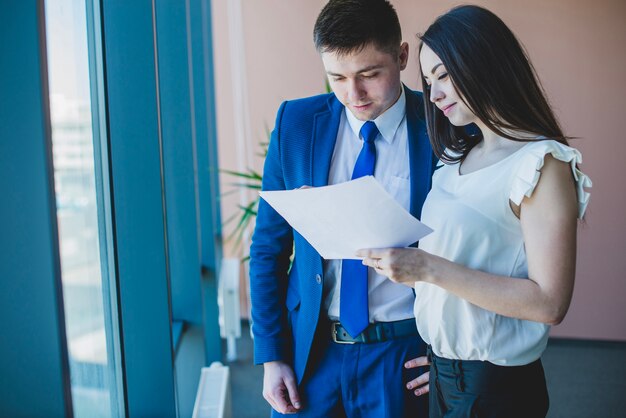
[417, 362]
[378, 258]
[375, 263]
[419, 385]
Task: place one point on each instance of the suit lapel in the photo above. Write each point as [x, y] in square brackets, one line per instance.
[325, 127]
[421, 161]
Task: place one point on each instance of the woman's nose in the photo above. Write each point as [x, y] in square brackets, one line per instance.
[436, 94]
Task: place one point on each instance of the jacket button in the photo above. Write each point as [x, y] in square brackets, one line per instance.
[318, 278]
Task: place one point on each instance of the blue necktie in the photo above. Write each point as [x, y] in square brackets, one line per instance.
[353, 310]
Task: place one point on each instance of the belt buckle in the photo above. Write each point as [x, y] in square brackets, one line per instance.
[333, 333]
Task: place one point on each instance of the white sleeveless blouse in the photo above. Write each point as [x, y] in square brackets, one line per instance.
[475, 226]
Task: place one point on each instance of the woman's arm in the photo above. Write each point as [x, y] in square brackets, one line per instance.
[548, 221]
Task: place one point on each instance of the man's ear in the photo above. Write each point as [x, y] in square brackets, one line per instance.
[403, 57]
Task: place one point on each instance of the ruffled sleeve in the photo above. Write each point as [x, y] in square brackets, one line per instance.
[527, 176]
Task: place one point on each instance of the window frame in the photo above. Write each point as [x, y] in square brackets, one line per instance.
[138, 119]
[159, 77]
[34, 356]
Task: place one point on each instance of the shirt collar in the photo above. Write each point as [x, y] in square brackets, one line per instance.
[387, 123]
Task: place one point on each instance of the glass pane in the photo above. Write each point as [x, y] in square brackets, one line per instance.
[82, 210]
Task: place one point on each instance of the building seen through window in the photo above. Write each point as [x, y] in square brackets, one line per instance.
[82, 220]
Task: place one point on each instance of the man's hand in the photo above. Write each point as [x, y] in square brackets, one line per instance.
[420, 384]
[279, 387]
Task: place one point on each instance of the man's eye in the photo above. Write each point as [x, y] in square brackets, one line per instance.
[370, 75]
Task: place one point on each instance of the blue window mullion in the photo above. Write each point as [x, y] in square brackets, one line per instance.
[135, 152]
[176, 107]
[104, 208]
[33, 354]
[208, 172]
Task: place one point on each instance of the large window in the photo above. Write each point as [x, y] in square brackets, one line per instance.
[109, 215]
[82, 213]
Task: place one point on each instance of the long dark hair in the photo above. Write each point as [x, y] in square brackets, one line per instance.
[492, 73]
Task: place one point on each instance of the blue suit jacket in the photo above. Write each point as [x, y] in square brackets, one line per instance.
[286, 303]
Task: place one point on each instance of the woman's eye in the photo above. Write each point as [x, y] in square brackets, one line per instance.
[442, 76]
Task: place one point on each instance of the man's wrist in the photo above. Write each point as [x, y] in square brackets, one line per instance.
[272, 363]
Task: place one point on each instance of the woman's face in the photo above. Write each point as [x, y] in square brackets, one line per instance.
[442, 91]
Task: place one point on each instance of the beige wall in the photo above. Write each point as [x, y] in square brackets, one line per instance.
[577, 48]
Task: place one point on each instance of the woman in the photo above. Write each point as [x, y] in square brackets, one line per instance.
[499, 268]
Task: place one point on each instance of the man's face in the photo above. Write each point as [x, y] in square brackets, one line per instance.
[366, 82]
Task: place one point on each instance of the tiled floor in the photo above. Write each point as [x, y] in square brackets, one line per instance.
[586, 379]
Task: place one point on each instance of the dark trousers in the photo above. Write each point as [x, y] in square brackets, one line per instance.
[479, 389]
[361, 380]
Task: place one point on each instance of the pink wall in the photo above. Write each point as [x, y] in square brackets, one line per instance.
[577, 48]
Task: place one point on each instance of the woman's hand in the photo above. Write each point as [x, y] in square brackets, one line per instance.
[401, 265]
[419, 385]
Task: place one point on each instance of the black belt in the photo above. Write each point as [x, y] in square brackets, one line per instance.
[376, 332]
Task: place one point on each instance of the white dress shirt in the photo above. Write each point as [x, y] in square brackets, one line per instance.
[387, 301]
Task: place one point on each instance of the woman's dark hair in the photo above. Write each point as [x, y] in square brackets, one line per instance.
[492, 73]
[347, 26]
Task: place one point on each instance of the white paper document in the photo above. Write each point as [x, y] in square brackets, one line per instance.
[340, 219]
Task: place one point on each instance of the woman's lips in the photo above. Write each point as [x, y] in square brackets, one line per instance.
[447, 109]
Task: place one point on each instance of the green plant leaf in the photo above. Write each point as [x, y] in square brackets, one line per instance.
[247, 185]
[252, 175]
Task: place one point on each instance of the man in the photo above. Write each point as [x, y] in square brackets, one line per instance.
[330, 350]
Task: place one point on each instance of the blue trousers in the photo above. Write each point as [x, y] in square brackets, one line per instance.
[362, 380]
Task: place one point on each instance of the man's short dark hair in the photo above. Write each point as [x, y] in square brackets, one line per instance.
[347, 26]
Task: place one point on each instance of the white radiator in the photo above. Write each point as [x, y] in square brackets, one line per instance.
[213, 397]
[228, 303]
